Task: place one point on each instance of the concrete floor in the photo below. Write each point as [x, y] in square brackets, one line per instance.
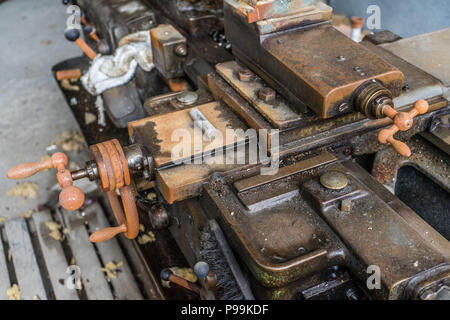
[33, 111]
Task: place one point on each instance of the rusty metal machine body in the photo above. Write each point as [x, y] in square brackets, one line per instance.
[313, 229]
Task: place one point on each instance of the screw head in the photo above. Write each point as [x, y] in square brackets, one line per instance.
[343, 107]
[181, 50]
[268, 95]
[334, 180]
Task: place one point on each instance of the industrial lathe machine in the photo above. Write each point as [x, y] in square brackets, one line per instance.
[276, 156]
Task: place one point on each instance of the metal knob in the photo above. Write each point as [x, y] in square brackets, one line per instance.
[71, 197]
[74, 36]
[403, 121]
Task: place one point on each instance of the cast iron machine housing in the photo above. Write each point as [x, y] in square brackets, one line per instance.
[321, 220]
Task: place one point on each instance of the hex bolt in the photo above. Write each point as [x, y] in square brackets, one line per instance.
[181, 50]
[268, 95]
[245, 75]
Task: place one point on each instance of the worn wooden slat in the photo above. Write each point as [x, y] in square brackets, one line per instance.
[94, 281]
[125, 287]
[54, 257]
[4, 277]
[25, 264]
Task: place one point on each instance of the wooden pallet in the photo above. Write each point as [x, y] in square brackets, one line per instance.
[39, 264]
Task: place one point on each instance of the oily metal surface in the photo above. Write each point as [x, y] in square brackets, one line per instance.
[280, 242]
[323, 81]
[278, 112]
[426, 158]
[418, 83]
[377, 234]
[303, 63]
[156, 132]
[269, 237]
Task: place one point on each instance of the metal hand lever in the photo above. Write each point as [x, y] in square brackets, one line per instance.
[74, 36]
[403, 121]
[90, 32]
[110, 169]
[71, 197]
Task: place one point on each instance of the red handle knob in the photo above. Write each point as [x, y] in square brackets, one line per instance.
[71, 198]
[403, 121]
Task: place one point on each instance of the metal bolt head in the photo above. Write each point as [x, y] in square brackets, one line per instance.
[334, 180]
[188, 98]
[245, 75]
[268, 95]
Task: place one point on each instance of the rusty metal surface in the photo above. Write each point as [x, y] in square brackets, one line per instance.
[198, 17]
[319, 12]
[256, 181]
[294, 59]
[277, 112]
[186, 181]
[170, 102]
[377, 234]
[418, 83]
[281, 242]
[165, 42]
[268, 236]
[434, 164]
[261, 10]
[156, 132]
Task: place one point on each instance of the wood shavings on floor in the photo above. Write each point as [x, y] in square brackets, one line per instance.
[57, 232]
[111, 269]
[66, 84]
[25, 190]
[14, 293]
[70, 141]
[28, 214]
[89, 118]
[146, 238]
[185, 273]
[151, 196]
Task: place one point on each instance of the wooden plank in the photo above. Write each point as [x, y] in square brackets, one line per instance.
[54, 257]
[125, 287]
[94, 281]
[24, 260]
[5, 283]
